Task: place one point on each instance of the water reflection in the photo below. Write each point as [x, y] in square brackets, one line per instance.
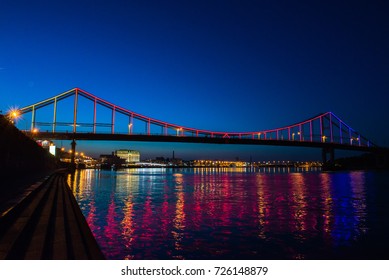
[357, 180]
[128, 225]
[261, 217]
[301, 220]
[222, 214]
[179, 218]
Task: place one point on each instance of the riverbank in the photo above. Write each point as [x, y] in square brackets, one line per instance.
[39, 216]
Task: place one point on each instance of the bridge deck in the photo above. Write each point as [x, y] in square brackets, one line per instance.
[47, 224]
[193, 139]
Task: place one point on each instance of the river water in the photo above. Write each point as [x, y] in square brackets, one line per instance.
[269, 213]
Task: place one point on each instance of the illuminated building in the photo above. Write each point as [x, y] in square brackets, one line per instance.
[48, 145]
[130, 156]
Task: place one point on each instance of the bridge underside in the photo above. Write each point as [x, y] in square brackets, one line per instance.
[189, 139]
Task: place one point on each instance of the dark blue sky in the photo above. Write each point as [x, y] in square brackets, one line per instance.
[217, 65]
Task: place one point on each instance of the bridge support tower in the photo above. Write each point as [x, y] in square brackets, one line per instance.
[73, 155]
[328, 151]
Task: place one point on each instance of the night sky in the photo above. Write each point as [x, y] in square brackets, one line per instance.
[215, 65]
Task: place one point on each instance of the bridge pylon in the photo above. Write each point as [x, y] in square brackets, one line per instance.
[73, 154]
[328, 151]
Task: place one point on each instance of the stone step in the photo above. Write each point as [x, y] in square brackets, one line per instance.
[38, 248]
[60, 240]
[16, 228]
[50, 226]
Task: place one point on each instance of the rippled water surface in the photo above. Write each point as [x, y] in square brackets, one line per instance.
[235, 213]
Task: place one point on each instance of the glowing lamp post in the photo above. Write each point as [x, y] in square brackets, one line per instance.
[352, 139]
[13, 115]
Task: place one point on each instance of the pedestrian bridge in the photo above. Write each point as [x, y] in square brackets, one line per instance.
[325, 130]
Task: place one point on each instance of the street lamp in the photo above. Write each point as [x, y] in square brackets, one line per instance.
[352, 139]
[323, 138]
[129, 128]
[13, 115]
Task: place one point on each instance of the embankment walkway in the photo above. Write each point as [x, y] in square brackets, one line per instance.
[47, 223]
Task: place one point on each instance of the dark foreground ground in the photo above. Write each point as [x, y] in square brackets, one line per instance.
[44, 221]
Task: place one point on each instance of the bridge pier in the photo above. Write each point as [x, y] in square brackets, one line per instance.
[73, 155]
[325, 151]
